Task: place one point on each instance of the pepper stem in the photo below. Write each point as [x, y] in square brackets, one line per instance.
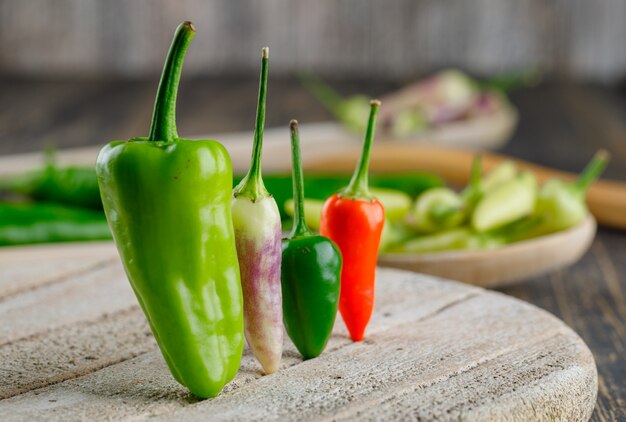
[592, 171]
[358, 186]
[323, 92]
[474, 182]
[300, 227]
[252, 185]
[163, 126]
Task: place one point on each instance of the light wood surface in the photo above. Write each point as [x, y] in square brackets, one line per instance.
[75, 345]
[505, 265]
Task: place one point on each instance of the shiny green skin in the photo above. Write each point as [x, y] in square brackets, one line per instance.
[310, 273]
[168, 203]
[168, 206]
[311, 270]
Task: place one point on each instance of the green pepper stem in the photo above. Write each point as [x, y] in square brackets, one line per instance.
[358, 186]
[163, 126]
[474, 182]
[252, 185]
[300, 227]
[592, 171]
[323, 92]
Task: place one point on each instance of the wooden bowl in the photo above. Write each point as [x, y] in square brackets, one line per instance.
[503, 266]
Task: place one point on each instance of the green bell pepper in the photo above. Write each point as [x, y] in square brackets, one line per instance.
[168, 202]
[311, 271]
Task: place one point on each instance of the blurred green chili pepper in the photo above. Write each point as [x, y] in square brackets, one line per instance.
[561, 204]
[397, 205]
[447, 240]
[28, 223]
[506, 203]
[321, 186]
[76, 186]
[438, 209]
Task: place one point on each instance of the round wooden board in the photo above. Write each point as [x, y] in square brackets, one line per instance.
[77, 347]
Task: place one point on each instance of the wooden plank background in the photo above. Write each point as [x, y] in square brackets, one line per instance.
[391, 39]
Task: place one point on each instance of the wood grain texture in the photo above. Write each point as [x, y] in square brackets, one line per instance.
[561, 126]
[434, 350]
[368, 38]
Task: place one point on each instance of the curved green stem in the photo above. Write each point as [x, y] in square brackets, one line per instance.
[300, 227]
[252, 185]
[163, 126]
[323, 92]
[593, 170]
[358, 186]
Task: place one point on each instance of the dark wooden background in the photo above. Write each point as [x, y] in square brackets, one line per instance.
[390, 39]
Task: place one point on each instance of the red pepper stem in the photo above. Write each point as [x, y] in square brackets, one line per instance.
[592, 171]
[163, 126]
[252, 185]
[358, 187]
[300, 227]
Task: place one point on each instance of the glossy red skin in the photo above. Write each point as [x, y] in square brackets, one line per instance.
[355, 225]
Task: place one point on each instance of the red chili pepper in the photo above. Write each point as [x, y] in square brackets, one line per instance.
[354, 220]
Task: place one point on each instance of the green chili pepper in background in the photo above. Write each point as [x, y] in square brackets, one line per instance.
[168, 202]
[508, 81]
[397, 205]
[394, 234]
[321, 186]
[502, 173]
[437, 209]
[442, 208]
[311, 273]
[258, 233]
[506, 203]
[350, 111]
[312, 211]
[561, 204]
[454, 239]
[49, 222]
[409, 122]
[76, 186]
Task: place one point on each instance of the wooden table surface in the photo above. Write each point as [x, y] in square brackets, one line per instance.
[560, 126]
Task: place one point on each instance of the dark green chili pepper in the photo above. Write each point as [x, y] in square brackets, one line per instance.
[311, 271]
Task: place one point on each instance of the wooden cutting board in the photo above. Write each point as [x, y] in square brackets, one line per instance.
[74, 345]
